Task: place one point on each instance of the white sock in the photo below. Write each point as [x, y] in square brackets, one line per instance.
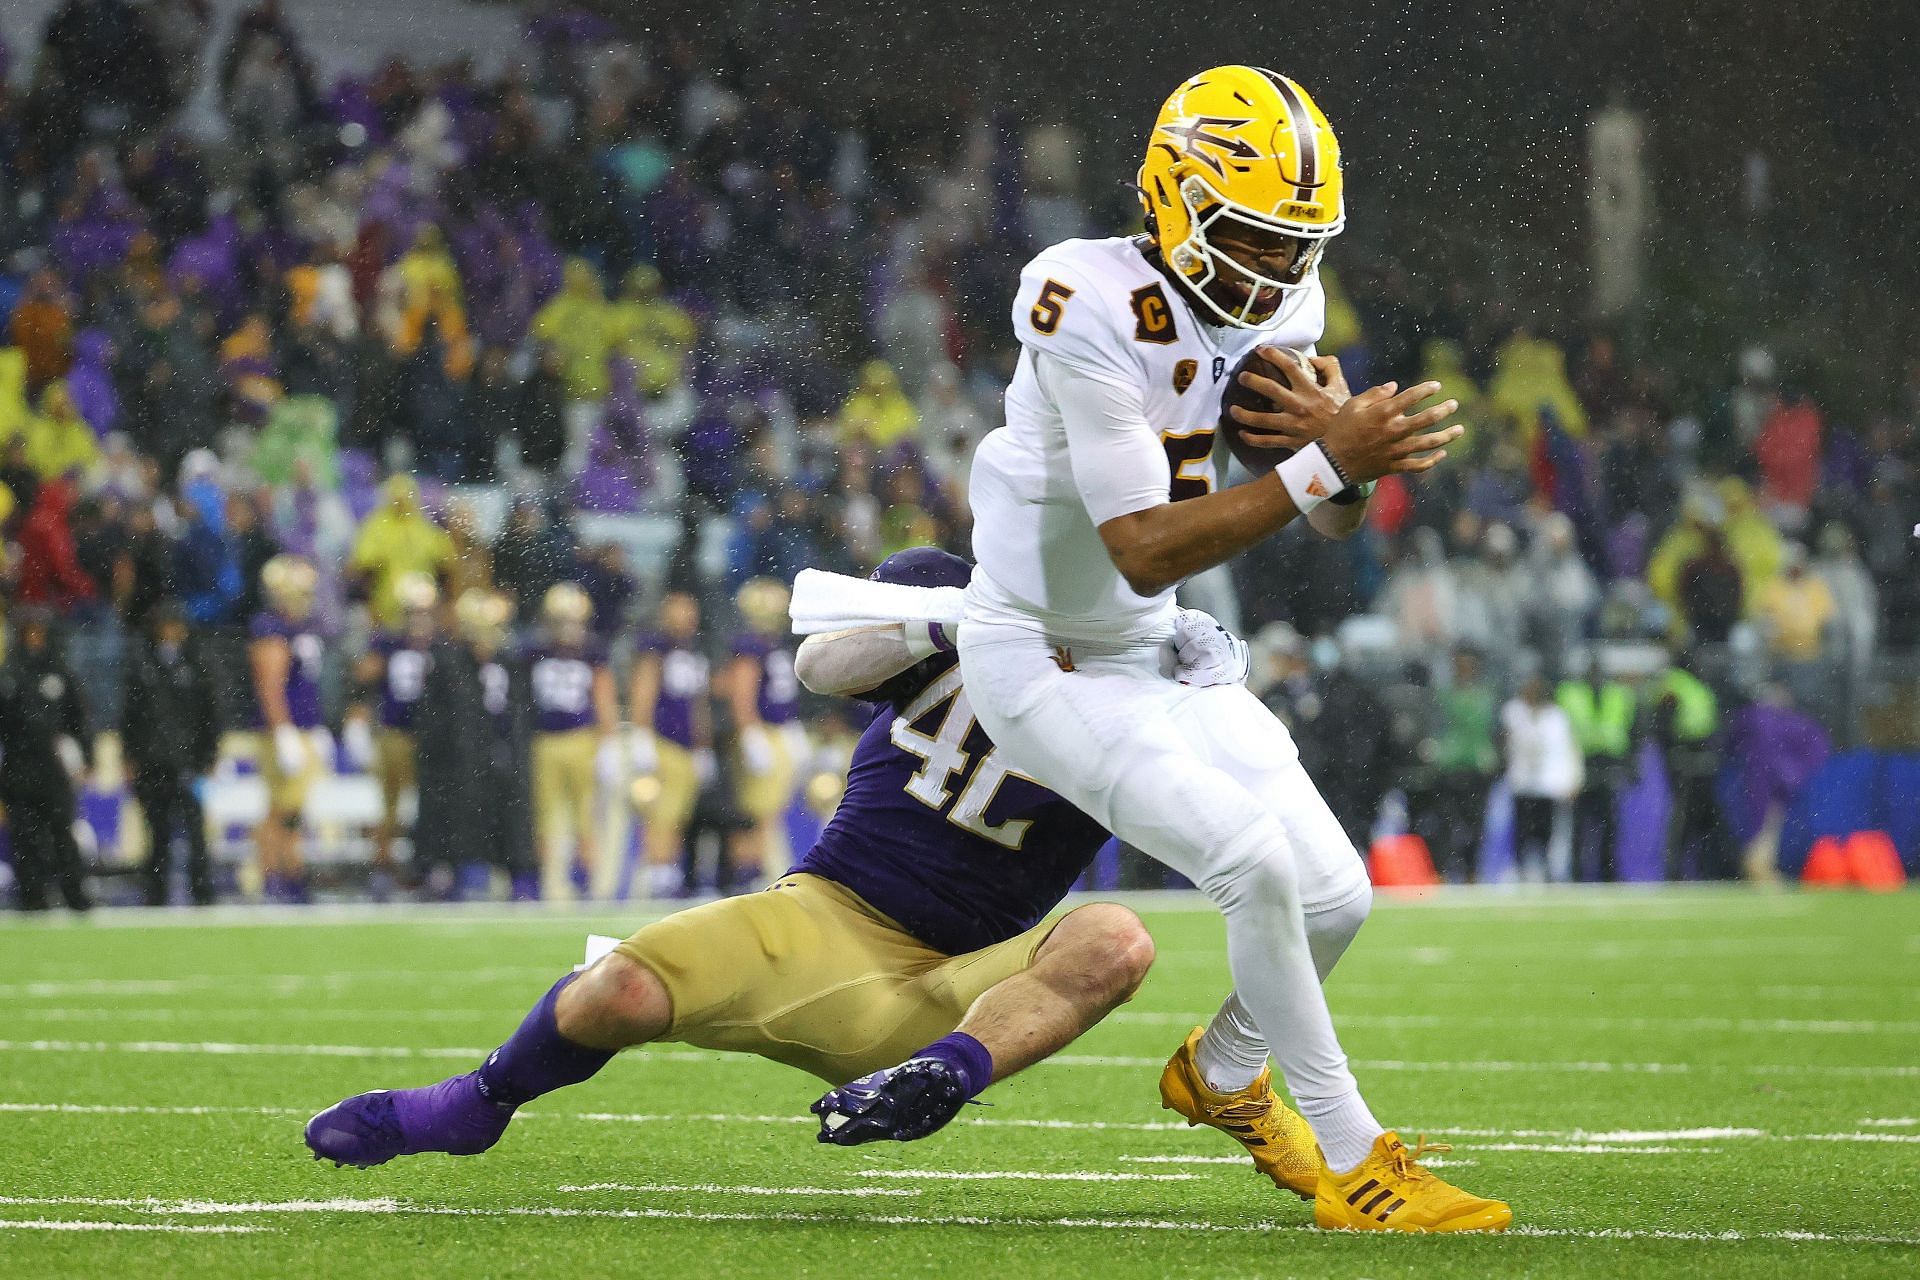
[664, 880]
[1345, 1127]
[1231, 1052]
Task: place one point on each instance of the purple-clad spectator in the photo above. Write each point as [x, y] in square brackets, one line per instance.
[619, 470]
[90, 381]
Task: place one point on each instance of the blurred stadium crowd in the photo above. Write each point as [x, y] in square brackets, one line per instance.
[555, 364]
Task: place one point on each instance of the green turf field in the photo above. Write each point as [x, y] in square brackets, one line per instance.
[1702, 1083]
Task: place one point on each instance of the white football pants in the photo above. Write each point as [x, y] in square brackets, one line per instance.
[1206, 781]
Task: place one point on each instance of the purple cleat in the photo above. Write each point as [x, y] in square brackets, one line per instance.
[372, 1128]
[897, 1104]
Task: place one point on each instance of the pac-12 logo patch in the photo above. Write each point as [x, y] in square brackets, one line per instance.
[1183, 375]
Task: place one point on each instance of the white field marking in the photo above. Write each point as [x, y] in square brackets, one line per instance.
[715, 1188]
[178, 1228]
[1609, 1139]
[391, 1206]
[90, 1109]
[1434, 1162]
[1397, 991]
[1021, 1175]
[1640, 902]
[276, 983]
[1892, 1122]
[1806, 1026]
[1623, 949]
[1608, 1135]
[1589, 1149]
[230, 1014]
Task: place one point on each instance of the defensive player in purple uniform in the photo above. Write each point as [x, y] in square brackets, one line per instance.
[764, 697]
[574, 720]
[912, 933]
[285, 656]
[672, 737]
[392, 673]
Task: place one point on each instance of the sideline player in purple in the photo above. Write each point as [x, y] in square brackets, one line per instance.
[672, 739]
[285, 655]
[763, 697]
[391, 674]
[912, 933]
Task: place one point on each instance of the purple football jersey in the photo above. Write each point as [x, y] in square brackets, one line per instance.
[779, 688]
[496, 693]
[404, 661]
[563, 685]
[685, 677]
[306, 652]
[936, 830]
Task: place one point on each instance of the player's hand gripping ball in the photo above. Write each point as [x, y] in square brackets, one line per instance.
[1283, 364]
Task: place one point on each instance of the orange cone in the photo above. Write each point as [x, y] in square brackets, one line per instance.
[1401, 862]
[1873, 863]
[1826, 865]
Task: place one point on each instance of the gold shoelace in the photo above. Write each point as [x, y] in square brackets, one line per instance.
[1406, 1164]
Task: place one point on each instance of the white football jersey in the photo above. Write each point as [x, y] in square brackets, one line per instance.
[1099, 310]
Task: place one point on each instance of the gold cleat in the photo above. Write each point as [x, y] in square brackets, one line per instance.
[1389, 1191]
[1277, 1137]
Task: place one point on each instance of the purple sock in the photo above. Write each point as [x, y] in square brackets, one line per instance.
[536, 1058]
[965, 1055]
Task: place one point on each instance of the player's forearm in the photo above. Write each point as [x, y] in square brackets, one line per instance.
[1158, 547]
[838, 663]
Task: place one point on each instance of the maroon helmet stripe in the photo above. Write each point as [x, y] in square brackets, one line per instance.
[1303, 131]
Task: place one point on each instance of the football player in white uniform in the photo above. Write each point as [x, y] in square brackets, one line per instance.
[1096, 499]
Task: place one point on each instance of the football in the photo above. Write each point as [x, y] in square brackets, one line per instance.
[1261, 360]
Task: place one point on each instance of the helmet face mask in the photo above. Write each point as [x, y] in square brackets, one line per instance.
[1236, 292]
[1241, 154]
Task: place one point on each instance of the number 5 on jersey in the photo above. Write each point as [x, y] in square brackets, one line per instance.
[1049, 307]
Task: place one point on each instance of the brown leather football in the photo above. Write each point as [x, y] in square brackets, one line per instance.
[1255, 459]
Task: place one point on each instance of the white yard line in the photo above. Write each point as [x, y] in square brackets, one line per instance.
[391, 1206]
[178, 1228]
[277, 983]
[1893, 1122]
[1769, 1026]
[1583, 1141]
[1021, 1175]
[714, 1188]
[1636, 902]
[1432, 1162]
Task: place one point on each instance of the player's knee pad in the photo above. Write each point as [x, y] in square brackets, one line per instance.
[1254, 870]
[1331, 931]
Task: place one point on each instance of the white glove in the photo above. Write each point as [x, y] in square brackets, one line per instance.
[704, 766]
[357, 736]
[610, 763]
[1206, 653]
[756, 749]
[325, 749]
[642, 752]
[72, 759]
[291, 749]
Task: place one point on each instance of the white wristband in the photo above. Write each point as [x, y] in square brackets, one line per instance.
[924, 639]
[1309, 477]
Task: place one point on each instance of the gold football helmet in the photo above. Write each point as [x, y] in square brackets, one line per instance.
[290, 583]
[763, 604]
[483, 616]
[567, 607]
[1241, 145]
